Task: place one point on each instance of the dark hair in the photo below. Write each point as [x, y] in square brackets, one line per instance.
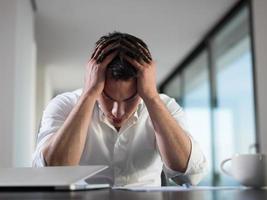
[120, 69]
[125, 44]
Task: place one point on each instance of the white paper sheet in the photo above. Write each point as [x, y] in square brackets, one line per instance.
[178, 188]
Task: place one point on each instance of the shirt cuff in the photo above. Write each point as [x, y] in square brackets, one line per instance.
[38, 157]
[196, 167]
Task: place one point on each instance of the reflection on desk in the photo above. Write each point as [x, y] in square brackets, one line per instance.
[109, 194]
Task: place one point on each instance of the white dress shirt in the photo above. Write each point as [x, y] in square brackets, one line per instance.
[131, 153]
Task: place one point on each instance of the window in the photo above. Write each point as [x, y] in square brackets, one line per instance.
[174, 89]
[196, 102]
[215, 85]
[234, 122]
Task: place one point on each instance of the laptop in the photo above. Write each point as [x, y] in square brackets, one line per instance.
[51, 178]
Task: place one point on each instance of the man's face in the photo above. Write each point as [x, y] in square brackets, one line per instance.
[119, 100]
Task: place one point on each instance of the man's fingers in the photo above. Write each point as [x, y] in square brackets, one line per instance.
[124, 47]
[103, 44]
[109, 58]
[135, 63]
[120, 48]
[108, 42]
[96, 52]
[141, 47]
[132, 48]
[103, 54]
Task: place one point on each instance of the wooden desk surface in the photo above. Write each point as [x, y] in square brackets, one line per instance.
[107, 194]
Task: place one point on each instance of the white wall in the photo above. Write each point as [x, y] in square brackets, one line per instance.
[259, 8]
[40, 94]
[17, 82]
[24, 93]
[7, 64]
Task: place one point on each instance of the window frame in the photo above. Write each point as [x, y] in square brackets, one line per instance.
[206, 44]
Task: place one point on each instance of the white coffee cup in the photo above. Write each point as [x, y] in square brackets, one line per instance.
[248, 169]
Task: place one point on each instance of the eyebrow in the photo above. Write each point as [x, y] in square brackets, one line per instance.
[127, 99]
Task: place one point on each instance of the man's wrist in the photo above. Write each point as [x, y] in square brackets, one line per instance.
[90, 94]
[151, 98]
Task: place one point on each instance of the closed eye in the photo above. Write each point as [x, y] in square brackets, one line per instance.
[133, 97]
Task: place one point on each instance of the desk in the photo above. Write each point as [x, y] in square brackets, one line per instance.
[108, 194]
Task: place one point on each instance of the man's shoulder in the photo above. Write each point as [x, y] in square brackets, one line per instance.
[70, 94]
[170, 102]
[165, 98]
[66, 98]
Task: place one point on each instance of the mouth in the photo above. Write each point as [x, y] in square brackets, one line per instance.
[116, 120]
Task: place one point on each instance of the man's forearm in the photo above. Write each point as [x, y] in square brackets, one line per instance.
[66, 146]
[174, 145]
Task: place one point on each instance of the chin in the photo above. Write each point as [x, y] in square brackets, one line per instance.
[117, 125]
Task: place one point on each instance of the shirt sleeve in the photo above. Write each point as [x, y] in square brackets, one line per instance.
[197, 164]
[53, 118]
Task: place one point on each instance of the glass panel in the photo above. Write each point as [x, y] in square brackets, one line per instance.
[173, 89]
[234, 114]
[197, 106]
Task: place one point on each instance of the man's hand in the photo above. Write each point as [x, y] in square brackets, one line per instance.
[146, 78]
[96, 69]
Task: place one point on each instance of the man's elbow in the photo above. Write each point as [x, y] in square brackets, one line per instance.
[192, 175]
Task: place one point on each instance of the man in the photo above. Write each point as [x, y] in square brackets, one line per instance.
[119, 119]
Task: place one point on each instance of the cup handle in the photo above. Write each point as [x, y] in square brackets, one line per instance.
[222, 166]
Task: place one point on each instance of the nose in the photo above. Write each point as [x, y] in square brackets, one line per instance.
[118, 109]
